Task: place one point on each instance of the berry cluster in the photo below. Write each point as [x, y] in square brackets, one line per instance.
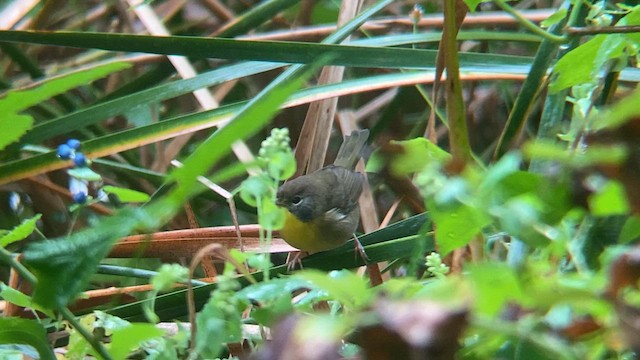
[71, 150]
[276, 143]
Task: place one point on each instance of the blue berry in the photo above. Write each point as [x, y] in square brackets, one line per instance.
[64, 152]
[80, 197]
[74, 144]
[80, 160]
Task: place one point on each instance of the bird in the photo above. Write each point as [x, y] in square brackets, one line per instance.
[322, 209]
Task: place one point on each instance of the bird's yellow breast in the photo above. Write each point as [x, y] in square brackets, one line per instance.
[306, 236]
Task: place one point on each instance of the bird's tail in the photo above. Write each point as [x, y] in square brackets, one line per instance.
[351, 148]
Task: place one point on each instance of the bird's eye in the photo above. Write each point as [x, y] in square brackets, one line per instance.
[296, 200]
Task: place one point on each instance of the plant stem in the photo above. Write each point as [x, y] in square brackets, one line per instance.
[529, 24]
[97, 345]
[10, 260]
[456, 114]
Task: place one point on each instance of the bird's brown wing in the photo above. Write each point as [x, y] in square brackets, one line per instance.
[345, 189]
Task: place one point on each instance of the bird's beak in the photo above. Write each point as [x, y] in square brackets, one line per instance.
[280, 202]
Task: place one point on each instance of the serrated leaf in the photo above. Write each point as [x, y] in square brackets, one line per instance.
[63, 266]
[20, 232]
[13, 127]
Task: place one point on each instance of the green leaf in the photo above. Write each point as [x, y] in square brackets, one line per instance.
[168, 275]
[618, 114]
[254, 189]
[281, 165]
[129, 338]
[630, 230]
[346, 287]
[611, 154]
[216, 327]
[609, 200]
[20, 232]
[582, 64]
[473, 4]
[520, 217]
[555, 18]
[25, 332]
[495, 285]
[15, 125]
[263, 50]
[14, 296]
[63, 266]
[126, 195]
[457, 225]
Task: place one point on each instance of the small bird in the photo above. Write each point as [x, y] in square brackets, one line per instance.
[322, 207]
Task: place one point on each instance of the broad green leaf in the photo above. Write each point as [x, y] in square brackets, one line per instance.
[610, 200]
[25, 332]
[520, 217]
[19, 100]
[126, 195]
[582, 64]
[129, 338]
[15, 125]
[216, 327]
[457, 225]
[495, 285]
[20, 232]
[16, 297]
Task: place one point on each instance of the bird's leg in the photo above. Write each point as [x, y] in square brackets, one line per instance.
[359, 249]
[294, 261]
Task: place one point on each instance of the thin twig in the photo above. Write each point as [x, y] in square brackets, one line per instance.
[529, 24]
[580, 31]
